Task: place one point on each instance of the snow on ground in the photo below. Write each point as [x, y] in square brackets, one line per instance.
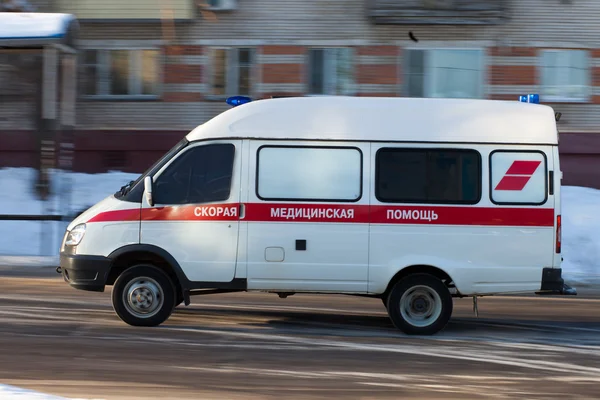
[581, 235]
[580, 213]
[18, 197]
[8, 392]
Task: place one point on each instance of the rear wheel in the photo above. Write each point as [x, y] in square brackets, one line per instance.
[420, 304]
[143, 295]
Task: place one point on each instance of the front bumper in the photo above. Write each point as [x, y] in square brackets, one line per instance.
[553, 283]
[85, 272]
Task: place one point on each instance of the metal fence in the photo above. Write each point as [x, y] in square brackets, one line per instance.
[51, 231]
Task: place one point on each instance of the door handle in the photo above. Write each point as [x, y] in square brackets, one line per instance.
[242, 210]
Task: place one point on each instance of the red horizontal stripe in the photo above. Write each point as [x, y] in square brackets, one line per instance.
[522, 167]
[336, 213]
[269, 212]
[132, 214]
[513, 182]
[486, 216]
[214, 212]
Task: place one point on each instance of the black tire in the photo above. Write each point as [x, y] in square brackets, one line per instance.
[434, 292]
[384, 301]
[156, 279]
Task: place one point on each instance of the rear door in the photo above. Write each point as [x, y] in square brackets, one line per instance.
[521, 190]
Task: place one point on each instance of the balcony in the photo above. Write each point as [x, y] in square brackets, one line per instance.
[438, 12]
[127, 10]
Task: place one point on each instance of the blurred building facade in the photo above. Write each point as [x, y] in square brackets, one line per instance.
[152, 70]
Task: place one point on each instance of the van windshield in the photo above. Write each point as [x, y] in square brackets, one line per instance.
[133, 190]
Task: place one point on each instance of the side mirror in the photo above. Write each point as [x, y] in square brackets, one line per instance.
[148, 190]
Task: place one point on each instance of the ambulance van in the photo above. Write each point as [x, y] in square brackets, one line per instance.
[414, 201]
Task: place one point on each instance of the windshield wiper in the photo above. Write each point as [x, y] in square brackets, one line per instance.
[124, 189]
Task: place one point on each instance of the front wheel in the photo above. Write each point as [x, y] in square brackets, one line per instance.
[420, 304]
[143, 295]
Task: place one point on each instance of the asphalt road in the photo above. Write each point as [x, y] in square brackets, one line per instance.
[66, 342]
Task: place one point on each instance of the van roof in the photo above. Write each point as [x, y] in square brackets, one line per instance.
[387, 119]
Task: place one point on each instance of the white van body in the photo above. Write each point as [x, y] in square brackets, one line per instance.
[337, 195]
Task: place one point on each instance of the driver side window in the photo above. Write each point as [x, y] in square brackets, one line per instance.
[201, 174]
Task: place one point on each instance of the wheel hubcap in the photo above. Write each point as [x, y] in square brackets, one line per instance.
[143, 297]
[420, 306]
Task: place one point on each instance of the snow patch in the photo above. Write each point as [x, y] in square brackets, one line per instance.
[35, 238]
[581, 235]
[8, 392]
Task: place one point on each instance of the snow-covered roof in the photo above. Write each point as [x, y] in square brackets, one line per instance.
[385, 119]
[26, 28]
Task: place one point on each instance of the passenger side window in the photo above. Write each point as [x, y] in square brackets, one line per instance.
[442, 176]
[200, 175]
[303, 173]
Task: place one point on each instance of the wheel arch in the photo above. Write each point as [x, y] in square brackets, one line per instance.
[419, 269]
[126, 256]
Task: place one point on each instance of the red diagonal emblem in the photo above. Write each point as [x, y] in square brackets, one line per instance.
[518, 174]
[520, 167]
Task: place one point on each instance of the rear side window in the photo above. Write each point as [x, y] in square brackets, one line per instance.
[518, 177]
[295, 173]
[441, 176]
[201, 174]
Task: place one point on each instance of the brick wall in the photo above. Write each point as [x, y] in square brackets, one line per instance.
[282, 70]
[182, 72]
[377, 70]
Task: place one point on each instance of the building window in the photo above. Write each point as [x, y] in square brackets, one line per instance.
[121, 72]
[565, 75]
[331, 174]
[231, 71]
[448, 73]
[440, 176]
[330, 71]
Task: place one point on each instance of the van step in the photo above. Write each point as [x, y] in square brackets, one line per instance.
[565, 291]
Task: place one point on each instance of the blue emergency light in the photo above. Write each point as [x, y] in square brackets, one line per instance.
[238, 100]
[530, 98]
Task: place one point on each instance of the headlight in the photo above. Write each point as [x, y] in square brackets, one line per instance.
[75, 236]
